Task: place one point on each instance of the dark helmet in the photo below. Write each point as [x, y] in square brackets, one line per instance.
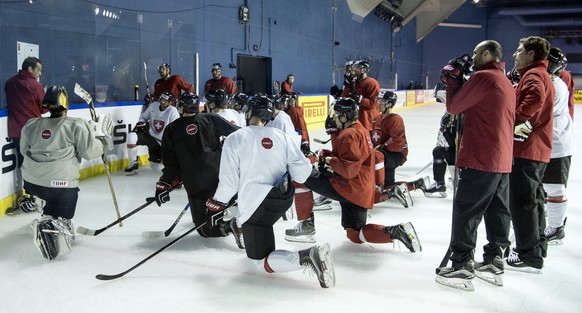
[240, 100]
[557, 61]
[56, 99]
[283, 102]
[390, 97]
[261, 107]
[218, 96]
[346, 106]
[166, 95]
[189, 102]
[165, 65]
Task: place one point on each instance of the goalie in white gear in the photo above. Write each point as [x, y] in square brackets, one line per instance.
[53, 147]
[149, 131]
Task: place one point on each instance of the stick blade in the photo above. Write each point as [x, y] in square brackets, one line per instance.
[86, 231]
[79, 91]
[153, 234]
[109, 277]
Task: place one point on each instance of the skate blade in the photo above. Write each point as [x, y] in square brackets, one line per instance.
[328, 272]
[324, 202]
[325, 207]
[555, 242]
[528, 269]
[409, 229]
[304, 238]
[131, 173]
[491, 278]
[457, 283]
[438, 195]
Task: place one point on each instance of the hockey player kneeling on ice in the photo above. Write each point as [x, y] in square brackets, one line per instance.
[347, 176]
[52, 148]
[258, 163]
[217, 102]
[191, 147]
[149, 131]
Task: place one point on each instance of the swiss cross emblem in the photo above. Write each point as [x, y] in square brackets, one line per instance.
[46, 134]
[159, 126]
[267, 143]
[376, 136]
[191, 129]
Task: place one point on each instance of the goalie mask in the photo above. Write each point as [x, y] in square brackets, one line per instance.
[188, 102]
[261, 107]
[216, 99]
[557, 61]
[56, 99]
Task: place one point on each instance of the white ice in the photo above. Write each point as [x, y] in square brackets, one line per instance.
[213, 275]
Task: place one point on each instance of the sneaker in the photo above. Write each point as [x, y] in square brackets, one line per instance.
[322, 203]
[555, 235]
[132, 169]
[436, 190]
[490, 271]
[459, 278]
[396, 193]
[514, 263]
[318, 260]
[406, 234]
[304, 231]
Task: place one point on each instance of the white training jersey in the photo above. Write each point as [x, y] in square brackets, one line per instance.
[53, 149]
[563, 132]
[233, 117]
[283, 122]
[158, 120]
[253, 160]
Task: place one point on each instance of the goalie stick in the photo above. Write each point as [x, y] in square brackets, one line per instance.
[321, 141]
[167, 232]
[94, 232]
[83, 94]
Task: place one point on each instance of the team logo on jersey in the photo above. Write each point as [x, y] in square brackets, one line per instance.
[376, 136]
[46, 134]
[159, 126]
[267, 143]
[191, 129]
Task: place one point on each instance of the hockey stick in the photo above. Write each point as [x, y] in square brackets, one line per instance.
[171, 243]
[145, 74]
[424, 168]
[321, 141]
[159, 234]
[79, 91]
[94, 232]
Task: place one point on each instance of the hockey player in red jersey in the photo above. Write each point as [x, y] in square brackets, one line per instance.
[365, 92]
[175, 84]
[347, 176]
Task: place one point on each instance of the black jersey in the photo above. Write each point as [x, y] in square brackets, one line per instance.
[191, 148]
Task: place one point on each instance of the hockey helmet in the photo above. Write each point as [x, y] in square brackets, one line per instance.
[261, 106]
[216, 66]
[218, 96]
[557, 61]
[346, 106]
[240, 100]
[363, 64]
[283, 102]
[56, 99]
[166, 65]
[189, 102]
[168, 96]
[390, 97]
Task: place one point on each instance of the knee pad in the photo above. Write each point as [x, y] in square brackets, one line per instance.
[131, 139]
[555, 190]
[438, 152]
[353, 235]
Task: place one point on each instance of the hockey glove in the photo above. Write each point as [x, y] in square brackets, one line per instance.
[514, 76]
[215, 212]
[305, 148]
[348, 80]
[141, 127]
[26, 204]
[162, 192]
[521, 131]
[330, 126]
[454, 72]
[148, 99]
[324, 168]
[357, 98]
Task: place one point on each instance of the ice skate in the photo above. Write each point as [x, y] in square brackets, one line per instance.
[304, 231]
[514, 263]
[436, 190]
[318, 260]
[132, 169]
[406, 234]
[322, 203]
[396, 193]
[555, 235]
[53, 237]
[237, 233]
[490, 272]
[460, 278]
[406, 194]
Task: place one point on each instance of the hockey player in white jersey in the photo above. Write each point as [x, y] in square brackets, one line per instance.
[216, 102]
[282, 121]
[52, 148]
[557, 171]
[258, 163]
[149, 131]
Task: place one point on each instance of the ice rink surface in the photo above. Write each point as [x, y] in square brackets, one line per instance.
[213, 275]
